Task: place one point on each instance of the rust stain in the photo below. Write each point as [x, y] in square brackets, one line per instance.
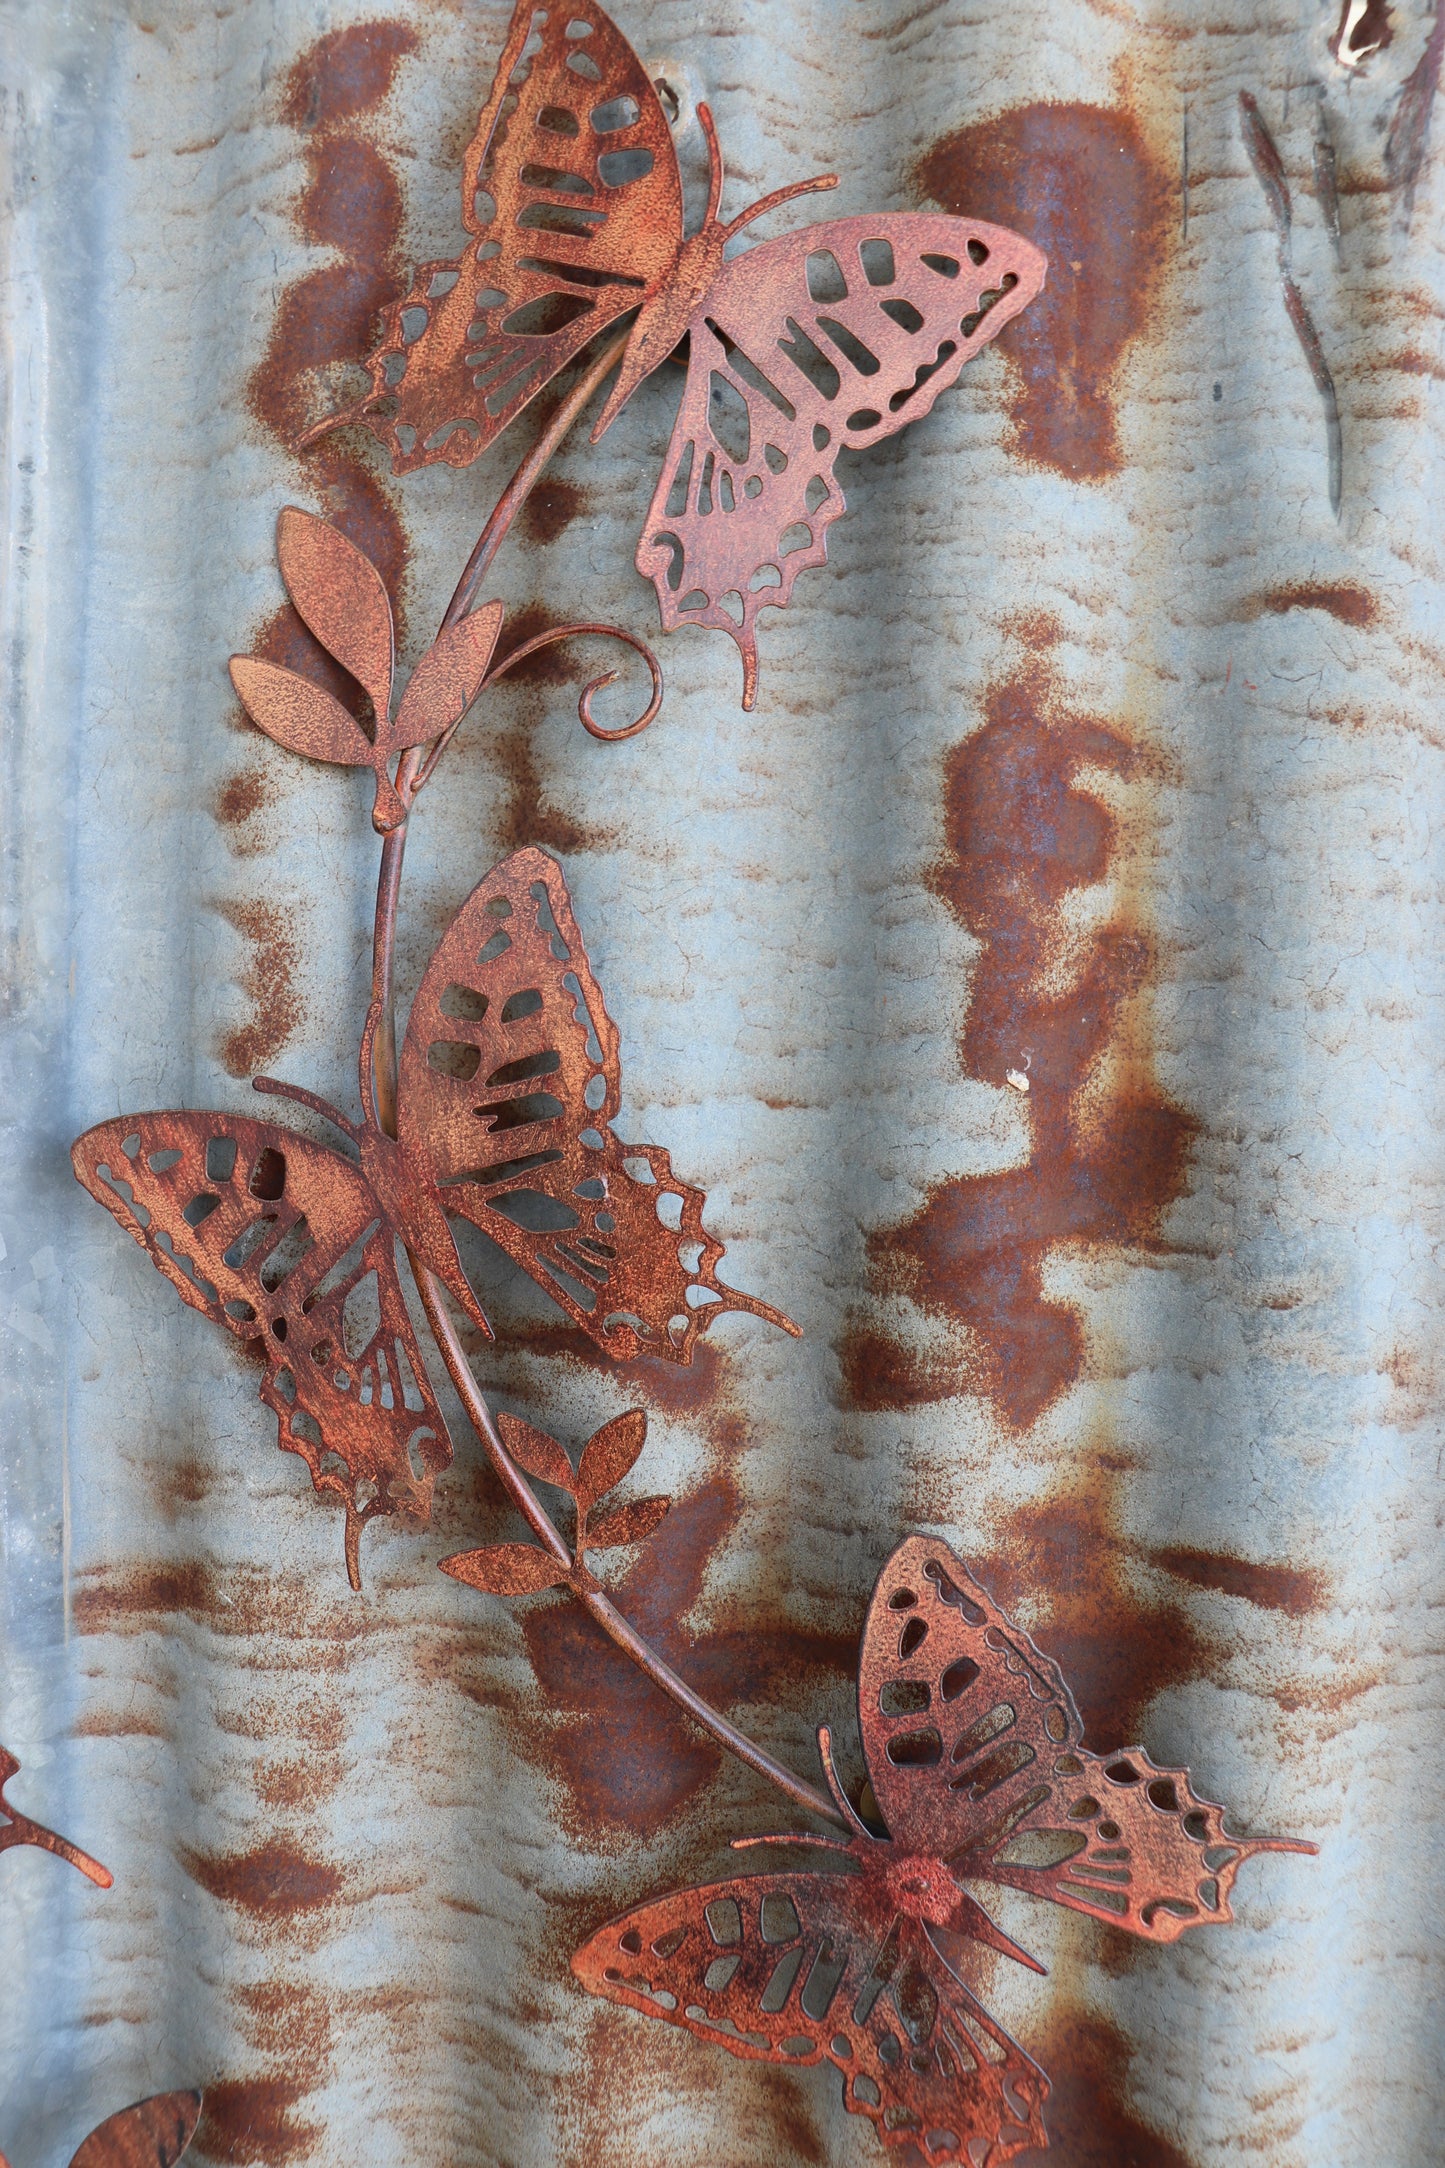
[274, 1882]
[103, 1602]
[1106, 1160]
[1410, 128]
[1350, 604]
[627, 1759]
[242, 796]
[1090, 2120]
[528, 816]
[1084, 185]
[351, 203]
[345, 74]
[1117, 1646]
[269, 980]
[552, 507]
[1296, 1590]
[251, 2120]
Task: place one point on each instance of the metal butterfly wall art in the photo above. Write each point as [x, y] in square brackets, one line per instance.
[975, 1754]
[830, 338]
[509, 1082]
[17, 1828]
[153, 2133]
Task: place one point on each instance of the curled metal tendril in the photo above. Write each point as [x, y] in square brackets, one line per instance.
[552, 638]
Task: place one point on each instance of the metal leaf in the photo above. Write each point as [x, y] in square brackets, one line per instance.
[540, 1455]
[447, 679]
[342, 597]
[628, 1524]
[609, 1453]
[506, 1569]
[299, 714]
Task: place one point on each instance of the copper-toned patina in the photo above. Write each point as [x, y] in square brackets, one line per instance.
[153, 2133]
[975, 1754]
[17, 1828]
[521, 1569]
[833, 337]
[509, 1080]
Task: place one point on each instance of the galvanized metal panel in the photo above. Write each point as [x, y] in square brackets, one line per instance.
[1101, 748]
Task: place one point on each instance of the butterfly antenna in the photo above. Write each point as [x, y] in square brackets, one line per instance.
[1250, 1845]
[356, 412]
[796, 1836]
[779, 195]
[355, 1522]
[834, 1783]
[277, 1090]
[714, 164]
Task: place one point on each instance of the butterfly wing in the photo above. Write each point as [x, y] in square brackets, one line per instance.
[152, 2134]
[779, 382]
[282, 1241]
[963, 1720]
[572, 190]
[799, 1969]
[508, 1083]
[1128, 1842]
[974, 1749]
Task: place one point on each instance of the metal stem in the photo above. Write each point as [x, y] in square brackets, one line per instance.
[388, 891]
[593, 1600]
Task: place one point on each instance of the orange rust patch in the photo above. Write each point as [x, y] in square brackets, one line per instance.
[1351, 605]
[250, 2120]
[1291, 1589]
[148, 1593]
[345, 74]
[242, 796]
[528, 816]
[269, 981]
[274, 1882]
[1103, 1166]
[1116, 1648]
[629, 1760]
[351, 203]
[1082, 183]
[1090, 2121]
[551, 508]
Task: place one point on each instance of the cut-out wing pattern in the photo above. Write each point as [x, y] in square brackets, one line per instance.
[804, 1968]
[572, 192]
[832, 338]
[974, 1751]
[509, 1080]
[285, 1243]
[17, 1828]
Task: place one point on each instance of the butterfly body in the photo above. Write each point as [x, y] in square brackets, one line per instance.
[572, 196]
[974, 1752]
[509, 1078]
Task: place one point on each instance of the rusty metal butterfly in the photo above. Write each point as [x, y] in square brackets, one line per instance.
[510, 1080]
[153, 2133]
[975, 1754]
[17, 1828]
[832, 338]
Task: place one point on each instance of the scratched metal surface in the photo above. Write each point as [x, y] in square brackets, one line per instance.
[1101, 749]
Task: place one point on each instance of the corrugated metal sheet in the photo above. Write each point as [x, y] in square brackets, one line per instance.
[1101, 748]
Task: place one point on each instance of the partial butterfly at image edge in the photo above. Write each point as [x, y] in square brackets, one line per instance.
[974, 1752]
[18, 1829]
[476, 339]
